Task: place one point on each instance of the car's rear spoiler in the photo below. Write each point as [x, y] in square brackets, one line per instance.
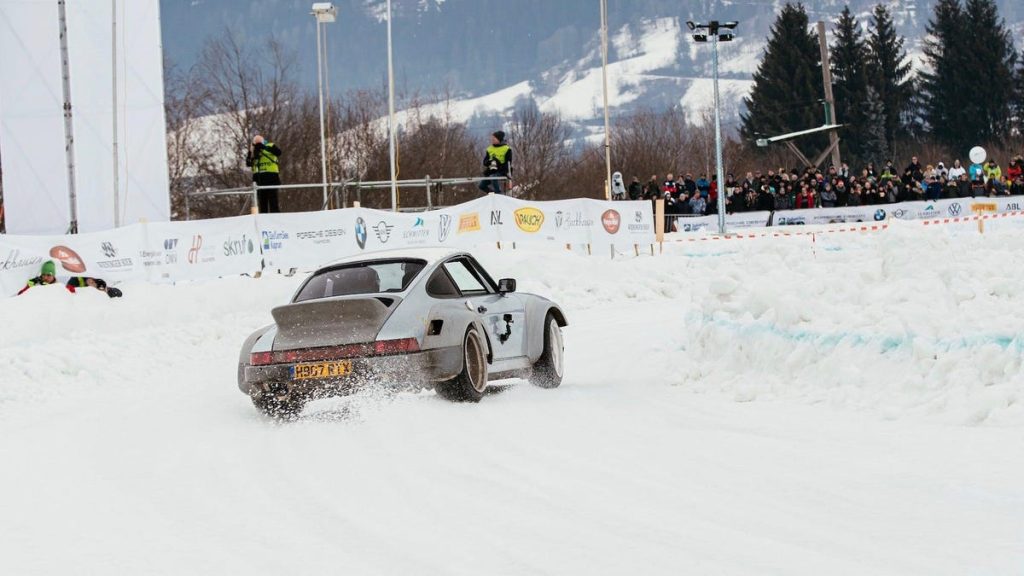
[331, 322]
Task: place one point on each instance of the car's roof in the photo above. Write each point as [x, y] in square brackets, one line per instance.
[431, 255]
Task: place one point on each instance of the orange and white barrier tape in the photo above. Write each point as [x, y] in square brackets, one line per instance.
[846, 228]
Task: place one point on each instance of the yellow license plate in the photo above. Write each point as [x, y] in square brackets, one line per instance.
[321, 370]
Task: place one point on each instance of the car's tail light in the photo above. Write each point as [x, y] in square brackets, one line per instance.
[261, 358]
[403, 346]
[381, 348]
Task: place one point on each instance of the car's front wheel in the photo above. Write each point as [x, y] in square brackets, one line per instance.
[547, 371]
[470, 384]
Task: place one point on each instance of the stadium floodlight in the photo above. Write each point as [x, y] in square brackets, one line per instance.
[701, 33]
[325, 12]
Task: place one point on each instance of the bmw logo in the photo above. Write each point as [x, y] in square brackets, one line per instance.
[361, 232]
[879, 215]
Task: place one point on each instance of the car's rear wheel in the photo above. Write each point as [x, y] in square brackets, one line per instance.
[471, 383]
[278, 403]
[547, 371]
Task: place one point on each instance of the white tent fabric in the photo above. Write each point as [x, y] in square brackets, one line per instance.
[32, 119]
[142, 152]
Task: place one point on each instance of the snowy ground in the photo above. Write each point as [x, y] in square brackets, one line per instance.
[851, 405]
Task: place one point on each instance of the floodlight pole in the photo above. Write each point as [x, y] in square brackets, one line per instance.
[718, 133]
[391, 118]
[320, 93]
[604, 75]
[715, 30]
[113, 75]
[69, 125]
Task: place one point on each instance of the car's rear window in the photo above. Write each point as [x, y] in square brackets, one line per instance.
[361, 278]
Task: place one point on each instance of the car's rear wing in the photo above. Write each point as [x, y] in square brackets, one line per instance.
[331, 322]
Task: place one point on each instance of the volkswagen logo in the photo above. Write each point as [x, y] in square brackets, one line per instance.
[955, 209]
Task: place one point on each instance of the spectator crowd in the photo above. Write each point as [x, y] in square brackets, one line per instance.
[834, 187]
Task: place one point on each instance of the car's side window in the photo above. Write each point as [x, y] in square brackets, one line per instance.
[441, 286]
[464, 277]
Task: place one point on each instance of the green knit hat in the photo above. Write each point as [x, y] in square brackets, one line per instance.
[49, 268]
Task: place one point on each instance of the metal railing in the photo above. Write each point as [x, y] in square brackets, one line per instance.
[340, 193]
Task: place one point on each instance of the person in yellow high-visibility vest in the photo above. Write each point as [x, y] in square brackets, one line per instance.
[264, 159]
[497, 162]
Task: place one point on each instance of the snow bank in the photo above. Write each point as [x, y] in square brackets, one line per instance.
[784, 406]
[912, 321]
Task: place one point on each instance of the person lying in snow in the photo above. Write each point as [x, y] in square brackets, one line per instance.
[47, 275]
[98, 283]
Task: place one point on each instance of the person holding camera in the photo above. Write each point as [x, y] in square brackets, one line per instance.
[264, 159]
[497, 162]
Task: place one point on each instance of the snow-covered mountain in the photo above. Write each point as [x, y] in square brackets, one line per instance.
[492, 53]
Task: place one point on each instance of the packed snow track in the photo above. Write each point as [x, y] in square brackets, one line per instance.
[847, 405]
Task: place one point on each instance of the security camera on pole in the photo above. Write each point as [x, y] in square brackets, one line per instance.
[717, 32]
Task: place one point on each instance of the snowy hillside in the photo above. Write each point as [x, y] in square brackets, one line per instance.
[839, 404]
[493, 52]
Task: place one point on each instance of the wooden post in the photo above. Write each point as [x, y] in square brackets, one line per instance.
[659, 223]
[255, 200]
[588, 250]
[830, 103]
[636, 248]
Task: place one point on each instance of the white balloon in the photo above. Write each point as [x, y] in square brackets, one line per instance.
[978, 155]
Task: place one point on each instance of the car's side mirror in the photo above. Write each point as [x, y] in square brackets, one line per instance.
[506, 286]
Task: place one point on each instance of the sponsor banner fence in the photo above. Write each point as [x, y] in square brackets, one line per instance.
[192, 250]
[736, 221]
[919, 210]
[198, 249]
[112, 255]
[829, 215]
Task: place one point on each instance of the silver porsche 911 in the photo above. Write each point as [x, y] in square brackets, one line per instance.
[425, 317]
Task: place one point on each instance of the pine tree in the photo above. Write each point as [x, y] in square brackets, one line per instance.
[889, 71]
[787, 85]
[1018, 105]
[991, 57]
[873, 145]
[946, 86]
[849, 79]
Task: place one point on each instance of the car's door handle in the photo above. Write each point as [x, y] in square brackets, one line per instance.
[481, 310]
